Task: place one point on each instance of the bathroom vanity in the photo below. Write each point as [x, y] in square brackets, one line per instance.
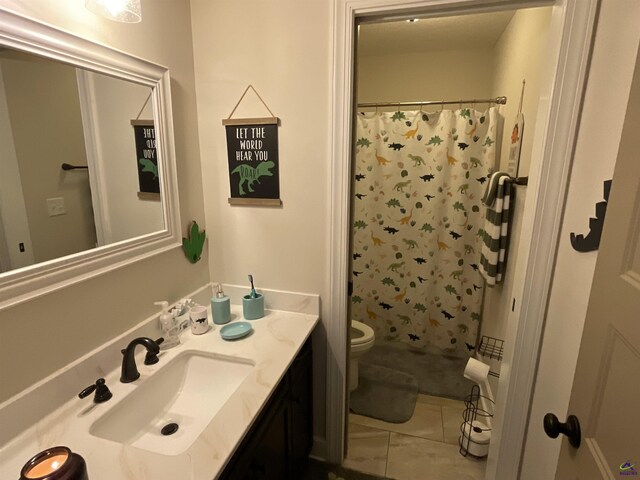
[244, 407]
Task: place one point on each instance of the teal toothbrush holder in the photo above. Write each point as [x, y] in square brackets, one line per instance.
[253, 308]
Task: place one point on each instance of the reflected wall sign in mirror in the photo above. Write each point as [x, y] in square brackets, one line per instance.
[66, 100]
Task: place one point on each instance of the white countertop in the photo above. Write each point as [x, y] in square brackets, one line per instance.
[273, 345]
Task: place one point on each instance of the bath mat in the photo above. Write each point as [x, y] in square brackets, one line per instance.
[384, 393]
[325, 471]
[437, 374]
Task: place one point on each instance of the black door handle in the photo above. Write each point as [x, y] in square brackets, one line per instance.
[553, 427]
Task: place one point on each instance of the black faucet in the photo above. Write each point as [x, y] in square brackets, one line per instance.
[102, 391]
[129, 369]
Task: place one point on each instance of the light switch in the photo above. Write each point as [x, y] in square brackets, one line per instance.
[55, 206]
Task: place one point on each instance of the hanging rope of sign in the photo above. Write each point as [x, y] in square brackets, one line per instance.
[252, 150]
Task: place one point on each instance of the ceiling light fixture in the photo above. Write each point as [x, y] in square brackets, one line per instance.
[126, 11]
[412, 20]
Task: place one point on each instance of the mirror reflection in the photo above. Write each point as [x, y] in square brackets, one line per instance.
[53, 114]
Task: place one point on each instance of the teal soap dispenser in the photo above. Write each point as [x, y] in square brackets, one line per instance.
[221, 307]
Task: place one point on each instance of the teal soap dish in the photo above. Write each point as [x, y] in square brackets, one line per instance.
[235, 330]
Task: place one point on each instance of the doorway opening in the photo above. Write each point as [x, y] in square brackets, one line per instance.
[560, 92]
[441, 104]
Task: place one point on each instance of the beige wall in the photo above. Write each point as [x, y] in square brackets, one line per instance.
[283, 49]
[519, 54]
[442, 75]
[42, 335]
[43, 104]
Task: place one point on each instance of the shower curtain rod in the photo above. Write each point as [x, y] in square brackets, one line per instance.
[498, 100]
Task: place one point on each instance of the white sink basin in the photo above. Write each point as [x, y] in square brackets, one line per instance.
[188, 391]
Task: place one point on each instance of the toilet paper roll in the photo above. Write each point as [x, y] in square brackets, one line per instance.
[476, 370]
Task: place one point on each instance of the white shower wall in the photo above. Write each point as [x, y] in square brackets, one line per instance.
[519, 54]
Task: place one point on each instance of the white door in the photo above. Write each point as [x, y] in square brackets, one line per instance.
[606, 390]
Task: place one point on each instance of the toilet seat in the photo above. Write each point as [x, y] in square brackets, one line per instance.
[361, 334]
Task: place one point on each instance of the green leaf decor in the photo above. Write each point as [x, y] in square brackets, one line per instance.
[192, 246]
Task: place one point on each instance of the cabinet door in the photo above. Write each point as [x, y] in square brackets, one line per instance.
[278, 445]
[270, 457]
[301, 411]
[263, 454]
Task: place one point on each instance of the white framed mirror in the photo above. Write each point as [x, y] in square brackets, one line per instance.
[88, 178]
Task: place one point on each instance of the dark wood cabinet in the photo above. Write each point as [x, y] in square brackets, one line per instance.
[278, 444]
[301, 413]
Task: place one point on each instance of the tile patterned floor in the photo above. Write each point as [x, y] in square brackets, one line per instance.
[424, 448]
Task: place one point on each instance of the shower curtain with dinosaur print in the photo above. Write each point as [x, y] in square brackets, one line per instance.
[417, 227]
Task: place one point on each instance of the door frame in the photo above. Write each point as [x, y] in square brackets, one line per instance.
[95, 165]
[571, 36]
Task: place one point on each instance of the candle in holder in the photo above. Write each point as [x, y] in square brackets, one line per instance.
[56, 463]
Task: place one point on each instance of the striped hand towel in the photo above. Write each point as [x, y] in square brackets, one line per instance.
[495, 235]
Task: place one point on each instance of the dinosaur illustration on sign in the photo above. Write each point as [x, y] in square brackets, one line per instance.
[250, 174]
[149, 166]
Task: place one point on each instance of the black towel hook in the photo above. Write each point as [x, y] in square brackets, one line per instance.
[520, 180]
[67, 166]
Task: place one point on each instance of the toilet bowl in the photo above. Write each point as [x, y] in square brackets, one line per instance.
[362, 339]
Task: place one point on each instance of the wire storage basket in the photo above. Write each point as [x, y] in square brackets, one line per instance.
[475, 432]
[491, 347]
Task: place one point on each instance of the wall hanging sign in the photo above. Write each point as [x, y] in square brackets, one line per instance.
[252, 150]
[515, 144]
[146, 159]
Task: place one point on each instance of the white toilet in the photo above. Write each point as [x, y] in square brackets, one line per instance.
[362, 339]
